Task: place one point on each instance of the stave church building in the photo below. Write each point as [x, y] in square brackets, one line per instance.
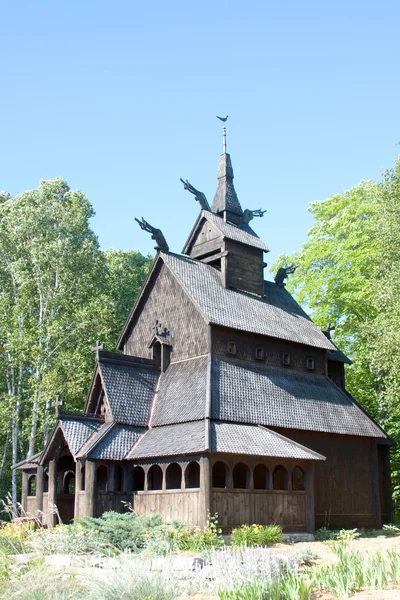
[222, 397]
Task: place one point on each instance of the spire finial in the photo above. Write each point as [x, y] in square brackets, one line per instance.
[224, 120]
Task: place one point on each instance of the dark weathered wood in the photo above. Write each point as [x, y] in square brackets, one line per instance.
[90, 489]
[24, 490]
[52, 496]
[205, 489]
[167, 302]
[376, 501]
[39, 489]
[310, 507]
[78, 487]
[246, 344]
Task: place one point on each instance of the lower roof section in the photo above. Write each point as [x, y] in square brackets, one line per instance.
[279, 397]
[228, 438]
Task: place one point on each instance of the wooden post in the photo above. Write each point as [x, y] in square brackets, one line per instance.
[205, 490]
[90, 488]
[39, 490]
[78, 487]
[183, 466]
[24, 491]
[387, 499]
[310, 508]
[164, 477]
[376, 501]
[52, 497]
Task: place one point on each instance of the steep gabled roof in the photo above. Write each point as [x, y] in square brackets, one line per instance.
[277, 314]
[242, 234]
[277, 397]
[111, 442]
[182, 393]
[129, 387]
[76, 430]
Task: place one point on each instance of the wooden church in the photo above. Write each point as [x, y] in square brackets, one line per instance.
[222, 397]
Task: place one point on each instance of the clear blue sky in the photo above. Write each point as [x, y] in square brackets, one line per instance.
[120, 99]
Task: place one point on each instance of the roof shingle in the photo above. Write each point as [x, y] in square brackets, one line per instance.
[276, 315]
[248, 393]
[129, 390]
[182, 393]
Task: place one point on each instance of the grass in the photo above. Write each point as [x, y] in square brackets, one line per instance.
[256, 535]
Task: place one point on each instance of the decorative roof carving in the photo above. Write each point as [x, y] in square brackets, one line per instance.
[156, 235]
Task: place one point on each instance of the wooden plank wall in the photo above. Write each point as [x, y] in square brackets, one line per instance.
[110, 501]
[31, 504]
[237, 507]
[168, 303]
[244, 267]
[246, 344]
[343, 483]
[174, 504]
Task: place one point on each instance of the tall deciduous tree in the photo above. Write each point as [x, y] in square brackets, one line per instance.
[58, 294]
[349, 275]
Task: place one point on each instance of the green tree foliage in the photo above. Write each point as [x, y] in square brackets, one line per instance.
[348, 275]
[58, 293]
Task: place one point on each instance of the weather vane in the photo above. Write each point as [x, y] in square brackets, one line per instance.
[224, 120]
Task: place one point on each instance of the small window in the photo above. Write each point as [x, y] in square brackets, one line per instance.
[231, 348]
[310, 364]
[260, 354]
[286, 359]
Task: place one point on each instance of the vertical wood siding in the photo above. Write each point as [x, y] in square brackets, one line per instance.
[167, 302]
[237, 507]
[175, 504]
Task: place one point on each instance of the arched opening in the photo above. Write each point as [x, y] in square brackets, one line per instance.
[241, 476]
[119, 478]
[32, 485]
[220, 475]
[69, 483]
[280, 478]
[45, 482]
[298, 479]
[83, 478]
[261, 477]
[137, 479]
[173, 477]
[101, 478]
[154, 478]
[192, 475]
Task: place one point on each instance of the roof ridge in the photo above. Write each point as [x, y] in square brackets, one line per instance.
[92, 442]
[297, 444]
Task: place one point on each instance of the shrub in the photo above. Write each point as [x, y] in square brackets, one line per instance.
[14, 537]
[323, 534]
[69, 539]
[256, 535]
[124, 531]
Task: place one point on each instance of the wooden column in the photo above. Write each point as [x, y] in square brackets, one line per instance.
[78, 487]
[183, 482]
[39, 489]
[387, 500]
[164, 477]
[90, 488]
[376, 501]
[205, 490]
[310, 508]
[52, 497]
[24, 491]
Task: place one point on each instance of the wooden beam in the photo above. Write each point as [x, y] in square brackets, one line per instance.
[205, 490]
[39, 490]
[310, 503]
[52, 497]
[90, 488]
[78, 487]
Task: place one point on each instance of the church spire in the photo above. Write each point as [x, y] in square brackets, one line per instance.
[225, 199]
